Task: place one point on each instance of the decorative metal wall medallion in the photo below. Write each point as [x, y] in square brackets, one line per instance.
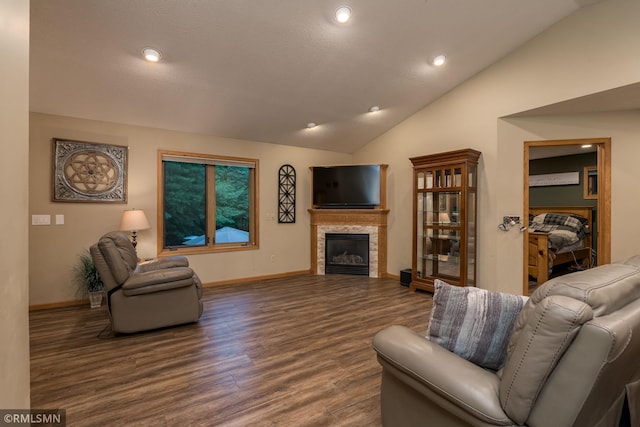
[286, 194]
[88, 172]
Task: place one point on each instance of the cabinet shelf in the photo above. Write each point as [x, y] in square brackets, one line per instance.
[443, 258]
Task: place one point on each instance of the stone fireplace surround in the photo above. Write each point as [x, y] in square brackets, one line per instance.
[350, 221]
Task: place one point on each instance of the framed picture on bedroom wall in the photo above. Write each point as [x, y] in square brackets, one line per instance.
[590, 182]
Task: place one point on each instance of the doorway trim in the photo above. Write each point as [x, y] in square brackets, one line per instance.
[603, 213]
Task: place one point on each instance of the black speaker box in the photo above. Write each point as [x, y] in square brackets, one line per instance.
[405, 277]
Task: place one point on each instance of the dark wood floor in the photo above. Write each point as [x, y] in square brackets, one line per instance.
[281, 352]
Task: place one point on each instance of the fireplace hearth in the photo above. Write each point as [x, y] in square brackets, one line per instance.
[346, 254]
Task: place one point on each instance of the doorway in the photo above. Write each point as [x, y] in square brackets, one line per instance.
[601, 175]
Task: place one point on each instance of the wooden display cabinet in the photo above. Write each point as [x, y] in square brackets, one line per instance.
[444, 219]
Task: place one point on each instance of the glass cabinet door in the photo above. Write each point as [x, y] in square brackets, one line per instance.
[438, 242]
[421, 236]
[471, 239]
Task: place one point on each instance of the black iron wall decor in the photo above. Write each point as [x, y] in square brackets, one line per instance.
[89, 172]
[286, 194]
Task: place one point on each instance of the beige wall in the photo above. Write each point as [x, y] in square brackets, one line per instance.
[53, 249]
[14, 288]
[590, 51]
[623, 128]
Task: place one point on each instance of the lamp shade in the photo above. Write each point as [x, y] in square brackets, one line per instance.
[443, 218]
[134, 220]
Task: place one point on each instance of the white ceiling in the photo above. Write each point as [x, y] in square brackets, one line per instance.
[261, 70]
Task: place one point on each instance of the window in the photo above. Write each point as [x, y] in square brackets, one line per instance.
[208, 203]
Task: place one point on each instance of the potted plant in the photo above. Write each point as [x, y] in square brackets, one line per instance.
[88, 280]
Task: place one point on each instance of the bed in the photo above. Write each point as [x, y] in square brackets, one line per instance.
[558, 235]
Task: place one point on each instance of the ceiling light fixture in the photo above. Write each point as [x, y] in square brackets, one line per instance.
[311, 125]
[586, 145]
[374, 109]
[343, 14]
[439, 60]
[151, 55]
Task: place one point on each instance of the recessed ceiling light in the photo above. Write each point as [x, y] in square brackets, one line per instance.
[374, 109]
[439, 60]
[343, 14]
[151, 55]
[311, 125]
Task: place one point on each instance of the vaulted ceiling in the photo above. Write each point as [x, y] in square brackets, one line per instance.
[262, 69]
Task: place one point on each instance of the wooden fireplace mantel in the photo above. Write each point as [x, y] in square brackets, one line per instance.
[351, 217]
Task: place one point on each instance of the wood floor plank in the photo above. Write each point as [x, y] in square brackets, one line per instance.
[293, 351]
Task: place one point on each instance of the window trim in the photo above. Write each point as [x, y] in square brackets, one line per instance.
[211, 159]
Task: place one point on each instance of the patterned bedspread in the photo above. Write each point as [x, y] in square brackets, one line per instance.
[548, 222]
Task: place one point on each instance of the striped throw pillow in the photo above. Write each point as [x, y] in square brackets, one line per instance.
[473, 323]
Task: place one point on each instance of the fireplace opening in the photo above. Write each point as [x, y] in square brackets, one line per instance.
[346, 254]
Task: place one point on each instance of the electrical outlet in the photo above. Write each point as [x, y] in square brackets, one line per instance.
[273, 258]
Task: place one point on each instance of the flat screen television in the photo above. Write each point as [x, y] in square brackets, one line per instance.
[343, 187]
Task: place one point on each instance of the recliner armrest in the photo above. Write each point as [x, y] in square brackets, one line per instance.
[162, 263]
[158, 280]
[464, 384]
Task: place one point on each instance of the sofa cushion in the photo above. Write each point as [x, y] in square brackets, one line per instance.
[473, 323]
[113, 257]
[119, 254]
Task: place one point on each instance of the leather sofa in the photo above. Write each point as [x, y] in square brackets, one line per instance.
[147, 295]
[573, 359]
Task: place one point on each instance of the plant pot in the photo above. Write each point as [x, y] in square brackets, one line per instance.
[95, 298]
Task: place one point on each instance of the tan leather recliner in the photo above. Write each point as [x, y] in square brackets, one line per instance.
[573, 360]
[153, 294]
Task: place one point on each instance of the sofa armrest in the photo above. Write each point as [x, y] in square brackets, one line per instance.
[462, 383]
[162, 263]
[158, 280]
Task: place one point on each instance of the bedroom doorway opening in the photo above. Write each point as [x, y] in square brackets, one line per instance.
[594, 184]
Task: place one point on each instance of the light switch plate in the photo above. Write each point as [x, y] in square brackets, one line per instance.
[59, 219]
[40, 219]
